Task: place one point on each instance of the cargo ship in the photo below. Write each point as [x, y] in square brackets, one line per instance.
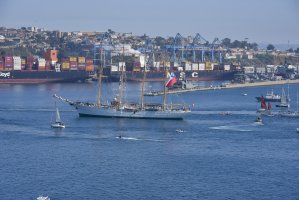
[42, 76]
[205, 75]
[199, 71]
[33, 69]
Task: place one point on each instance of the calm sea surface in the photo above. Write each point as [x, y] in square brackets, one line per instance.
[217, 157]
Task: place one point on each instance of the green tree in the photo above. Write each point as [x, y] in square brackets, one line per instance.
[226, 42]
[270, 47]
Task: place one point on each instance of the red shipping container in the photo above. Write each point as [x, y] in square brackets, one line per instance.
[89, 61]
[8, 59]
[73, 66]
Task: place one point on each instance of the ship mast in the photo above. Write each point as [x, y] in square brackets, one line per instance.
[165, 92]
[121, 80]
[142, 87]
[100, 70]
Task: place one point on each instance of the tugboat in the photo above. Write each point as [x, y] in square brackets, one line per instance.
[270, 97]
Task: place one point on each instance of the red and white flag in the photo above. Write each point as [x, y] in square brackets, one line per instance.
[172, 80]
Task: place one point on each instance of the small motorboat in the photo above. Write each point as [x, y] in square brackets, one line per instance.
[179, 131]
[43, 198]
[58, 125]
[244, 94]
[258, 120]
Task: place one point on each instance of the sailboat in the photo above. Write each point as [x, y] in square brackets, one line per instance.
[263, 105]
[118, 108]
[284, 101]
[290, 113]
[58, 123]
[269, 108]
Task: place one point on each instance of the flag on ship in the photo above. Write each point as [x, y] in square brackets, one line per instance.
[172, 80]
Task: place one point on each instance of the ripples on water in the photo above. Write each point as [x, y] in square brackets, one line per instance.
[218, 156]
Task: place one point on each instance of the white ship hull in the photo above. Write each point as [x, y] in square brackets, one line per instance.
[115, 113]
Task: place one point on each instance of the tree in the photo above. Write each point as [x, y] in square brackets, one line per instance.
[270, 47]
[297, 50]
[226, 42]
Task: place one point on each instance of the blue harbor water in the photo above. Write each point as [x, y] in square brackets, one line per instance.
[216, 157]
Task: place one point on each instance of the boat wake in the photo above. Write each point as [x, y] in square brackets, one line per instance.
[137, 139]
[242, 128]
[241, 112]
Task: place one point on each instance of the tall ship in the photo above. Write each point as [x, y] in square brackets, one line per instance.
[31, 69]
[119, 108]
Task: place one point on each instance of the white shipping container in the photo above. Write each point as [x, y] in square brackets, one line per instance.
[156, 64]
[187, 65]
[226, 67]
[180, 69]
[195, 66]
[114, 68]
[41, 62]
[201, 66]
[17, 63]
[188, 68]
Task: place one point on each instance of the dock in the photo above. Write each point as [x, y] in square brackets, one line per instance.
[228, 86]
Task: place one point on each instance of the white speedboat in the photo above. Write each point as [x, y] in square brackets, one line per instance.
[258, 121]
[179, 131]
[43, 198]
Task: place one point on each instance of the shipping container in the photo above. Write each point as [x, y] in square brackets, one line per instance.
[180, 69]
[137, 69]
[89, 68]
[73, 65]
[17, 62]
[114, 68]
[218, 67]
[194, 66]
[51, 55]
[7, 68]
[226, 67]
[65, 66]
[201, 66]
[81, 66]
[81, 60]
[8, 59]
[72, 59]
[89, 61]
[208, 66]
[1, 64]
[188, 67]
[157, 64]
[41, 68]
